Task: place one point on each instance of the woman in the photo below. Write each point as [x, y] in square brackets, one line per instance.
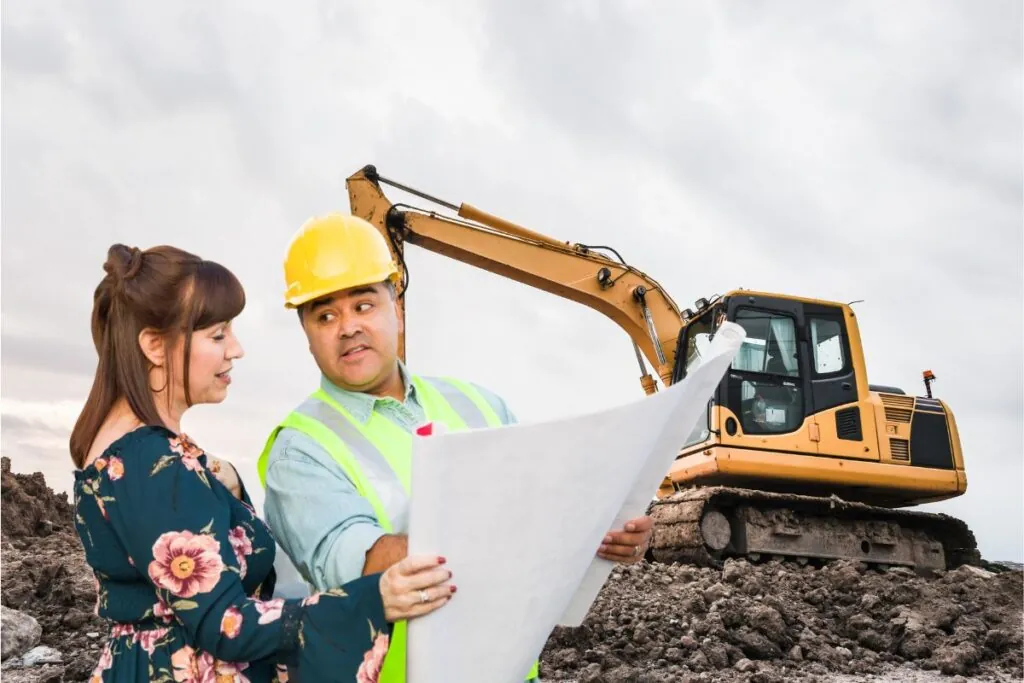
[184, 568]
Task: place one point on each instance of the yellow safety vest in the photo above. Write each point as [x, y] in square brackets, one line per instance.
[377, 458]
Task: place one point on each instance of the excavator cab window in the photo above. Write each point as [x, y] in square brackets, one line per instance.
[764, 381]
[827, 344]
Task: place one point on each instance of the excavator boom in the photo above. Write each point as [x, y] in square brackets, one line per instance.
[632, 299]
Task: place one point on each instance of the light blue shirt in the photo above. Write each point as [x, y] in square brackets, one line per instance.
[313, 508]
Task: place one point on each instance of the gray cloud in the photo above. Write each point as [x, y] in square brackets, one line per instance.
[838, 150]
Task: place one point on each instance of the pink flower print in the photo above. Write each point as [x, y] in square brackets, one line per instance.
[242, 546]
[311, 600]
[373, 659]
[105, 662]
[115, 468]
[100, 463]
[282, 674]
[161, 610]
[231, 622]
[148, 639]
[184, 664]
[121, 630]
[227, 672]
[185, 447]
[270, 610]
[102, 507]
[188, 451]
[185, 563]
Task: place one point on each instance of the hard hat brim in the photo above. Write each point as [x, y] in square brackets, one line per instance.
[292, 302]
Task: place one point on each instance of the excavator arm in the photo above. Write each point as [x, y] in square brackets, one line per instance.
[578, 272]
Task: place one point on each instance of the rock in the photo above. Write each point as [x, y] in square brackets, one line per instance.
[76, 619]
[946, 616]
[972, 571]
[42, 655]
[717, 655]
[844, 652]
[47, 673]
[868, 601]
[901, 570]
[796, 654]
[958, 660]
[716, 592]
[18, 632]
[998, 640]
[874, 640]
[756, 644]
[768, 621]
[735, 570]
[744, 665]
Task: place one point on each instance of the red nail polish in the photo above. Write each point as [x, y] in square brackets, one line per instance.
[449, 574]
[454, 588]
[441, 560]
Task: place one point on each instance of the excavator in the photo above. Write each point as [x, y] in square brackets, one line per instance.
[797, 457]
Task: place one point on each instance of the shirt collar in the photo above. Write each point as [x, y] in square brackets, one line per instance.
[361, 405]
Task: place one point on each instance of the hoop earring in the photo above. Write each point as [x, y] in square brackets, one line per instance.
[157, 391]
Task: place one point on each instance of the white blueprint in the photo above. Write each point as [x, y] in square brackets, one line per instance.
[520, 511]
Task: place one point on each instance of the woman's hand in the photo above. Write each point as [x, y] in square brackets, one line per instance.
[226, 474]
[415, 586]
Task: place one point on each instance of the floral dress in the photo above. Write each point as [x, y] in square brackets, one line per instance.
[185, 572]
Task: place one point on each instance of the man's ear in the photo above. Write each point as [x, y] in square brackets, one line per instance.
[153, 346]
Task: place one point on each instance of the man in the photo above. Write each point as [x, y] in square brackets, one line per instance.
[336, 470]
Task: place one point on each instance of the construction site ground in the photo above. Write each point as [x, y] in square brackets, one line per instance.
[652, 623]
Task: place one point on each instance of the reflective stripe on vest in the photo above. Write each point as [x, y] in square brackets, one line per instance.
[377, 458]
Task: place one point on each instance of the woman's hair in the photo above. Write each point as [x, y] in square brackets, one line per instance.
[164, 289]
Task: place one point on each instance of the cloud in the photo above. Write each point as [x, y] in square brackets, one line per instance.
[844, 151]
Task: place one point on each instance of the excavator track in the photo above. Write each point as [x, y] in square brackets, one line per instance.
[704, 526]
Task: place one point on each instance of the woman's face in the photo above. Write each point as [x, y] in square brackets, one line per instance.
[214, 350]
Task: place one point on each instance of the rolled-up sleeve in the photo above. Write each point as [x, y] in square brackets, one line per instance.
[315, 512]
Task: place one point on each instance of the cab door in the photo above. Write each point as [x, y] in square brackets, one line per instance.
[845, 427]
[766, 393]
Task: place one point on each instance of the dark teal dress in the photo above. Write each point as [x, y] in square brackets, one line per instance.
[185, 572]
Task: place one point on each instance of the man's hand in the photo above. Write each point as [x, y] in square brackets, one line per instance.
[629, 545]
[226, 474]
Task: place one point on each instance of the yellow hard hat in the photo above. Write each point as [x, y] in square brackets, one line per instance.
[333, 252]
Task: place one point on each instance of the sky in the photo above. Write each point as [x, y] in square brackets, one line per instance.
[851, 151]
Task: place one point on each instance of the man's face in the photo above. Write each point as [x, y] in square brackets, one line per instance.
[353, 335]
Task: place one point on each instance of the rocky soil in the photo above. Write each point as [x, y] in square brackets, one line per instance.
[45, 577]
[779, 622]
[772, 622]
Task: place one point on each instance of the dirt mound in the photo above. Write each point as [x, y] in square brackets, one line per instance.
[777, 622]
[45, 575]
[30, 508]
[650, 624]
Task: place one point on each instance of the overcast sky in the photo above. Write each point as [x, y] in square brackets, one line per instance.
[843, 150]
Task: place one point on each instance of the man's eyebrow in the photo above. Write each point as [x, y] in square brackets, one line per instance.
[323, 301]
